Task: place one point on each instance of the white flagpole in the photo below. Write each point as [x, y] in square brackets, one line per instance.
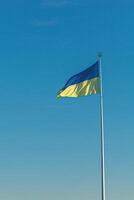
[103, 186]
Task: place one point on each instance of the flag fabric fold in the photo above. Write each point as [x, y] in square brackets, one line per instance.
[84, 83]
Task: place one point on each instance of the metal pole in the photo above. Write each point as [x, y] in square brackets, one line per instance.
[103, 186]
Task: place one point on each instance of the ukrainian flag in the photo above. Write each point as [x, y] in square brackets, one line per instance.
[84, 83]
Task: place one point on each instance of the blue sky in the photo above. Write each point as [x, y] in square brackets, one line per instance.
[49, 148]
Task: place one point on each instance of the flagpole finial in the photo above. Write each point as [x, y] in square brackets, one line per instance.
[99, 55]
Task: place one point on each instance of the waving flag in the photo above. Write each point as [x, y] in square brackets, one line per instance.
[84, 83]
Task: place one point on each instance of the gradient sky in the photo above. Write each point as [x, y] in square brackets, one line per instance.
[49, 148]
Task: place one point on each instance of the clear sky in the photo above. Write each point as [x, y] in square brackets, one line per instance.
[49, 148]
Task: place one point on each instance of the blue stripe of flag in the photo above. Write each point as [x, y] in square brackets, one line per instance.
[90, 73]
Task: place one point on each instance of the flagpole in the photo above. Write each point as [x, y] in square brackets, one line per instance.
[103, 186]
